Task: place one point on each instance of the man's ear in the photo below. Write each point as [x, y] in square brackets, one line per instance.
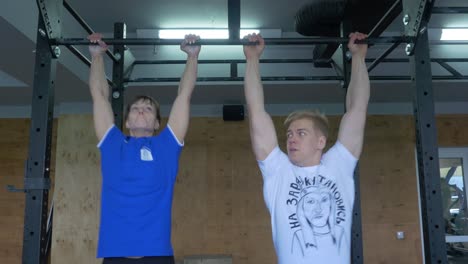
[156, 124]
[126, 124]
[322, 142]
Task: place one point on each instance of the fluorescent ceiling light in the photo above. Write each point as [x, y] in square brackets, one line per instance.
[203, 33]
[245, 32]
[454, 34]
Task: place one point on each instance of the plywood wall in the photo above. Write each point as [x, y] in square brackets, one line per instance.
[13, 154]
[389, 192]
[452, 130]
[218, 203]
[14, 140]
[77, 192]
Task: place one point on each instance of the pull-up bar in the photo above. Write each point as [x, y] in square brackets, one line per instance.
[268, 41]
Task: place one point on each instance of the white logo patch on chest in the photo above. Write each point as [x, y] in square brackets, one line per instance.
[145, 154]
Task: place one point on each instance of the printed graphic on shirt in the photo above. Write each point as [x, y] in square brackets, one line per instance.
[317, 215]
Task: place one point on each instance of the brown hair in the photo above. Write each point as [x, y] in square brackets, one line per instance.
[318, 119]
[145, 99]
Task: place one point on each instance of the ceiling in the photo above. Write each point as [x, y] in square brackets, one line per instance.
[18, 25]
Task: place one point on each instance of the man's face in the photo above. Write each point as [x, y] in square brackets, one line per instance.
[142, 116]
[304, 142]
[317, 208]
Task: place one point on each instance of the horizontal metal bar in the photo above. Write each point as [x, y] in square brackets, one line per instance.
[404, 78]
[239, 79]
[399, 60]
[370, 60]
[223, 61]
[449, 42]
[268, 41]
[449, 10]
[85, 25]
[83, 58]
[287, 78]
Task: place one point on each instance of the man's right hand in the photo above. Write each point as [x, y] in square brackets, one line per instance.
[357, 49]
[97, 50]
[254, 51]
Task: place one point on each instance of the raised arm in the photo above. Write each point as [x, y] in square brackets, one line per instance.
[180, 112]
[102, 109]
[262, 130]
[351, 133]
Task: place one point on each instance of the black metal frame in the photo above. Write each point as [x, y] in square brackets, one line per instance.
[433, 225]
[118, 71]
[428, 158]
[37, 183]
[374, 62]
[344, 64]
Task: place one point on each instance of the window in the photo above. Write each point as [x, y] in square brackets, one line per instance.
[453, 163]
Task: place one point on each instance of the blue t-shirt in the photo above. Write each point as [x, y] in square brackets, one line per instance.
[138, 176]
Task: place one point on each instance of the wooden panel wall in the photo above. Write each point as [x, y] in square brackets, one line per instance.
[389, 192]
[13, 153]
[452, 130]
[14, 140]
[218, 203]
[77, 192]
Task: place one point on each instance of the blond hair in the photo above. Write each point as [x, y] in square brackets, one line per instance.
[319, 120]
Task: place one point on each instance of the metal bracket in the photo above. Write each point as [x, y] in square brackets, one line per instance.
[416, 15]
[31, 184]
[12, 188]
[338, 62]
[51, 13]
[129, 62]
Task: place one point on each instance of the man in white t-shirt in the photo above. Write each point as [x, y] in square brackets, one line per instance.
[309, 194]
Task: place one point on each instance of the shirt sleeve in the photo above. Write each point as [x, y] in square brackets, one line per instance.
[270, 164]
[181, 144]
[172, 147]
[339, 155]
[111, 138]
[270, 169]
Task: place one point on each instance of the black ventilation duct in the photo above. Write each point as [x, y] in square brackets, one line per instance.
[320, 18]
[323, 18]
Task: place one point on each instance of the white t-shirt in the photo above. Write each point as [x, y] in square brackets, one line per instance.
[310, 207]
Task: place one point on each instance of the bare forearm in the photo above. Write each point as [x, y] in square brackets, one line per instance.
[189, 78]
[358, 94]
[180, 112]
[97, 78]
[262, 130]
[102, 110]
[253, 87]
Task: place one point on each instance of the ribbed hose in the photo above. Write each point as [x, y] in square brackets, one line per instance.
[320, 18]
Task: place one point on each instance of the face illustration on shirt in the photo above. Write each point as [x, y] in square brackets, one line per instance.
[317, 208]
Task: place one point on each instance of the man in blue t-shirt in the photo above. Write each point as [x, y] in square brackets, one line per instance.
[139, 170]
